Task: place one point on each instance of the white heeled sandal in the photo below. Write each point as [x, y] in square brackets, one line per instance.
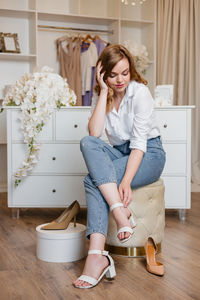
[124, 229]
[109, 271]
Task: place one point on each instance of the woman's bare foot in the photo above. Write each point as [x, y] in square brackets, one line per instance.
[121, 216]
[94, 266]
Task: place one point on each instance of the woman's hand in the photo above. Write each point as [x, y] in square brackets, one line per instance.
[125, 192]
[101, 82]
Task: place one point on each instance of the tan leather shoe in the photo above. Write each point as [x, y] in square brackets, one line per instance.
[152, 265]
[62, 222]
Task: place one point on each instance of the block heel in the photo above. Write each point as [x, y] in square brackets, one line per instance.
[111, 273]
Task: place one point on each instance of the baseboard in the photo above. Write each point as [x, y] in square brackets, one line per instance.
[3, 187]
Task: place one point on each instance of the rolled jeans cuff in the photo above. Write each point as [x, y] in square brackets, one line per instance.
[90, 231]
[103, 181]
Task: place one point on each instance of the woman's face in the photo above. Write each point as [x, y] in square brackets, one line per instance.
[119, 77]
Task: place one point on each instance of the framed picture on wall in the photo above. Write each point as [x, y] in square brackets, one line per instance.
[164, 92]
[9, 42]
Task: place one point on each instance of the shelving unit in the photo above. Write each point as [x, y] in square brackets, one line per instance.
[23, 17]
[23, 22]
[38, 45]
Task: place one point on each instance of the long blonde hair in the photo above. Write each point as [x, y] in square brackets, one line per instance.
[109, 57]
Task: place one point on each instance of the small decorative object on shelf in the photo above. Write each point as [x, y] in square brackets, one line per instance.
[140, 55]
[37, 94]
[133, 2]
[164, 95]
[9, 42]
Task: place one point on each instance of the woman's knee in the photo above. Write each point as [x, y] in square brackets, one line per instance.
[87, 141]
[87, 180]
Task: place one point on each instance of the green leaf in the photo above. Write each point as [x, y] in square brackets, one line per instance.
[17, 181]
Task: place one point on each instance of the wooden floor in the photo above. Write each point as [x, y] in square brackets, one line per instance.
[24, 277]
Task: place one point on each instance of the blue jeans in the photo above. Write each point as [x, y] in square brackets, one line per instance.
[108, 164]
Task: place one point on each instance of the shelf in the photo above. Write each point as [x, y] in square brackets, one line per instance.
[181, 107]
[4, 12]
[74, 18]
[17, 56]
[134, 21]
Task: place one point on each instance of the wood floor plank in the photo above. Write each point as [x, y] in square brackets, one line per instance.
[18, 285]
[24, 277]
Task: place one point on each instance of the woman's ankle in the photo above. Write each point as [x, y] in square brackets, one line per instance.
[120, 215]
[97, 260]
[127, 212]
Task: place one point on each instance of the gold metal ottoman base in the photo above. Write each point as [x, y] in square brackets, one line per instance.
[129, 251]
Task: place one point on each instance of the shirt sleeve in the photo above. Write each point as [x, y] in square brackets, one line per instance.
[142, 117]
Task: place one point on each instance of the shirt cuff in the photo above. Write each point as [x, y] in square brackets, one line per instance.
[139, 144]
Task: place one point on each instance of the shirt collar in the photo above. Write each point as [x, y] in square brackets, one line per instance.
[130, 90]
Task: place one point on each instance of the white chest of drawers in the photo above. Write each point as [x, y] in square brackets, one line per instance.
[57, 180]
[175, 127]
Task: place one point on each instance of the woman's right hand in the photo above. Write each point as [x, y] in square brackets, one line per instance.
[101, 82]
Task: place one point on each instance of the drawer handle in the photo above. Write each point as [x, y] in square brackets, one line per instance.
[165, 126]
[54, 158]
[53, 190]
[75, 126]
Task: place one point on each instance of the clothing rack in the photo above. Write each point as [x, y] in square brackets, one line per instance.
[75, 29]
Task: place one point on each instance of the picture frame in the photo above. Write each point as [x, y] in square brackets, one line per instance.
[9, 42]
[164, 92]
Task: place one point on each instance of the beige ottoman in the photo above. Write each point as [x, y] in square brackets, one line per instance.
[148, 209]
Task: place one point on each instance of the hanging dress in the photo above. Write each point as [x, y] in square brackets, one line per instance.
[87, 98]
[68, 54]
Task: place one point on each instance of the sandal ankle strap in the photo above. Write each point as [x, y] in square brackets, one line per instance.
[102, 252]
[115, 205]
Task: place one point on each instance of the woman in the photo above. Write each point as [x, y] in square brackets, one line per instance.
[124, 108]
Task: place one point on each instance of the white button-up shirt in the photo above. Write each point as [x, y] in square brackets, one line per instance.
[135, 120]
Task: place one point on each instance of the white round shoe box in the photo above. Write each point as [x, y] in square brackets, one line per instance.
[61, 245]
